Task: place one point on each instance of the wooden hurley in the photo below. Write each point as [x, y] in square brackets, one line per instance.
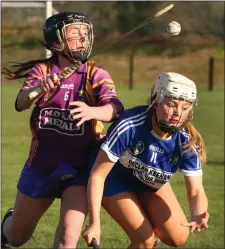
[62, 75]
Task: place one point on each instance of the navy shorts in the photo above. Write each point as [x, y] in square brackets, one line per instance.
[34, 184]
[120, 179]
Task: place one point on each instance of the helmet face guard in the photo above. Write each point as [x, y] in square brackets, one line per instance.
[173, 123]
[175, 87]
[55, 32]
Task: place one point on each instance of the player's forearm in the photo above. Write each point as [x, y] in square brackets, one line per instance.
[95, 193]
[23, 101]
[198, 203]
[104, 113]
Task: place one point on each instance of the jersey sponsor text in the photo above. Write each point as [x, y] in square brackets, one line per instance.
[59, 120]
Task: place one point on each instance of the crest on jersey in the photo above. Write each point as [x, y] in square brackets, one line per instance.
[111, 88]
[138, 148]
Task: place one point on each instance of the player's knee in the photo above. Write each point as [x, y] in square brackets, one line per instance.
[179, 240]
[176, 242]
[17, 239]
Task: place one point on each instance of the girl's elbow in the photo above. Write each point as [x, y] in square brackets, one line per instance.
[197, 193]
[117, 110]
[20, 107]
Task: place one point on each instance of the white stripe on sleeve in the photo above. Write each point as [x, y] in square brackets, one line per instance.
[126, 128]
[192, 172]
[126, 122]
[112, 157]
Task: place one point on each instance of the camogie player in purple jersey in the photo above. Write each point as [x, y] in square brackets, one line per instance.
[142, 150]
[65, 125]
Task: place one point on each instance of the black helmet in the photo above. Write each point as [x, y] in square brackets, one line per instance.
[54, 29]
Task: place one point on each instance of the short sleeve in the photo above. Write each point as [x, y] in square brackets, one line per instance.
[190, 163]
[105, 90]
[118, 138]
[33, 78]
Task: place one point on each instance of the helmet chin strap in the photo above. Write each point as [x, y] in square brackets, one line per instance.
[76, 56]
[71, 58]
[164, 125]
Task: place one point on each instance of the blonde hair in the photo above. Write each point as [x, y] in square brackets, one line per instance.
[196, 140]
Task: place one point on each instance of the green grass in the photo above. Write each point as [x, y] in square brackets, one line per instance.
[209, 119]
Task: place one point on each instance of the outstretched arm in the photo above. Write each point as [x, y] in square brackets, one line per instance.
[198, 203]
[96, 182]
[118, 138]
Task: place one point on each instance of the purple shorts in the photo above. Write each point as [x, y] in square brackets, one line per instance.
[34, 184]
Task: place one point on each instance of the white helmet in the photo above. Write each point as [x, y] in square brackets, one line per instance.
[174, 85]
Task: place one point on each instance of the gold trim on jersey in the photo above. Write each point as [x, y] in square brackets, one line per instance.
[101, 82]
[98, 127]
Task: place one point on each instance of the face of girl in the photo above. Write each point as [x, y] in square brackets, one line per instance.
[76, 36]
[174, 111]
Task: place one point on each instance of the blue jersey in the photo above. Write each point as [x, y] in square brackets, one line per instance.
[133, 145]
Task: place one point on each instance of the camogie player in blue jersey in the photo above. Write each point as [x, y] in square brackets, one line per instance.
[142, 150]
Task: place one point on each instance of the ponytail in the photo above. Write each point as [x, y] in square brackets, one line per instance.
[22, 68]
[196, 140]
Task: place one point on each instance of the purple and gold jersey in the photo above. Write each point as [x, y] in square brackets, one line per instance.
[55, 137]
[140, 153]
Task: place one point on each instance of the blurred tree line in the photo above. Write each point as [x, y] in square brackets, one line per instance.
[194, 17]
[202, 36]
[113, 18]
[121, 16]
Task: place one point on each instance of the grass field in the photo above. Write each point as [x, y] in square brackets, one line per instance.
[209, 119]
